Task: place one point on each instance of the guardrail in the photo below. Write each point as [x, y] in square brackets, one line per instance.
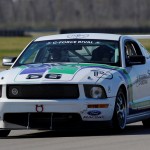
[12, 33]
[123, 30]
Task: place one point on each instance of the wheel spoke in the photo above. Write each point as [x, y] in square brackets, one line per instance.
[118, 107]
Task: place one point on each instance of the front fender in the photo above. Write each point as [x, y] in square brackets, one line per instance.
[113, 84]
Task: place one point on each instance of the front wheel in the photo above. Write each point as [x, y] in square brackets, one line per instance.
[119, 116]
[4, 133]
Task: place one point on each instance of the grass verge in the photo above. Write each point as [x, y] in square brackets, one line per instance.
[12, 46]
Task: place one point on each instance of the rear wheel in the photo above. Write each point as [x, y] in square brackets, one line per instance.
[4, 133]
[119, 117]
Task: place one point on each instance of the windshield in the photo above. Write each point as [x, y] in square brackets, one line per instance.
[80, 51]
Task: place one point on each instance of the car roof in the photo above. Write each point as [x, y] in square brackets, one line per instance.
[101, 36]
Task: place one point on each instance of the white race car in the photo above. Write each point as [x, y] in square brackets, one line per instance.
[76, 80]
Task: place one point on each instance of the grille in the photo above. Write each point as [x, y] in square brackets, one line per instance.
[43, 120]
[43, 91]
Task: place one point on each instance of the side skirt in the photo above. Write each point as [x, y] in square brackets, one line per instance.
[138, 117]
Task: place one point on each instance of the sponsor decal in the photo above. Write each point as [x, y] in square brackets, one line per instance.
[33, 69]
[72, 42]
[142, 79]
[77, 36]
[93, 117]
[94, 112]
[63, 69]
[102, 74]
[39, 108]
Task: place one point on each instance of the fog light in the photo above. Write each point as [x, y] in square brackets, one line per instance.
[14, 91]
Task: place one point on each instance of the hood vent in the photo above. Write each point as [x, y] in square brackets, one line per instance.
[34, 76]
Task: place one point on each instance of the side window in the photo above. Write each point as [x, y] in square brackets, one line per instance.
[132, 49]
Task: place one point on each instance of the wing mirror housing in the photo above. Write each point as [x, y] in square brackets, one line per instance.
[136, 60]
[8, 61]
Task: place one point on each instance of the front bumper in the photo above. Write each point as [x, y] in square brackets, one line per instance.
[48, 114]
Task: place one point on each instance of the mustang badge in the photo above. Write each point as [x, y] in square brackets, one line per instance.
[39, 108]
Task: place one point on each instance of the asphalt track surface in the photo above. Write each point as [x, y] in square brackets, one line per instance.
[135, 137]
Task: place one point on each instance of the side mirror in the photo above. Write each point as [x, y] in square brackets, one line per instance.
[8, 61]
[136, 60]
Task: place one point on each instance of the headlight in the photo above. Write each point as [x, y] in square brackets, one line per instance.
[94, 91]
[0, 90]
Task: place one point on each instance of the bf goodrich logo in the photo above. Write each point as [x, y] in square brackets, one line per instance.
[78, 36]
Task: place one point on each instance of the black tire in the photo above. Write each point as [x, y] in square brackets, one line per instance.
[119, 116]
[4, 133]
[146, 123]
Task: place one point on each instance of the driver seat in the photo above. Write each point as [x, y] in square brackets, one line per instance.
[103, 54]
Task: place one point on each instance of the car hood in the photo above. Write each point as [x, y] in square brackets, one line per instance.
[57, 72]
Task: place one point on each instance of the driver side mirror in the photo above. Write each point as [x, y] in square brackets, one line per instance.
[136, 60]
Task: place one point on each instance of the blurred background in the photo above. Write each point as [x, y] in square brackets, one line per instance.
[23, 20]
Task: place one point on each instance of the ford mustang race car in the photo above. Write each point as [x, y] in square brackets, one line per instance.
[76, 80]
